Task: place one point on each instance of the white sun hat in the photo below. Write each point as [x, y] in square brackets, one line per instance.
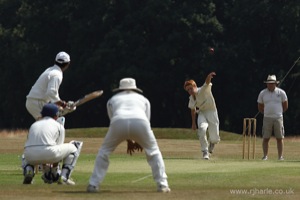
[127, 84]
[271, 79]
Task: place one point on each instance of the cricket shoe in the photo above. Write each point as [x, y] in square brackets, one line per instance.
[46, 179]
[265, 158]
[92, 189]
[211, 147]
[205, 155]
[281, 158]
[65, 181]
[28, 174]
[163, 189]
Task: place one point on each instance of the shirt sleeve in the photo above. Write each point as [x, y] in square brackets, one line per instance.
[283, 96]
[206, 88]
[109, 109]
[148, 109]
[260, 98]
[192, 103]
[53, 87]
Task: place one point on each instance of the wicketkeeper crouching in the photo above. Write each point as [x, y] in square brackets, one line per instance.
[45, 144]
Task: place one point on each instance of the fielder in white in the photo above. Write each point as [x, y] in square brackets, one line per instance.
[129, 113]
[46, 88]
[202, 102]
[45, 144]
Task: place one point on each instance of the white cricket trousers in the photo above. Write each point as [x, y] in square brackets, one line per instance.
[208, 121]
[138, 130]
[48, 154]
[34, 107]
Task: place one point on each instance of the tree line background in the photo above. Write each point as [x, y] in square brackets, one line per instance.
[160, 43]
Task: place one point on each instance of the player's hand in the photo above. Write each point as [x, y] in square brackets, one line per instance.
[133, 146]
[212, 74]
[61, 105]
[71, 104]
[68, 109]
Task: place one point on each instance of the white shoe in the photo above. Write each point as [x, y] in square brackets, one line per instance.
[92, 189]
[163, 189]
[211, 147]
[281, 158]
[205, 155]
[66, 181]
[265, 158]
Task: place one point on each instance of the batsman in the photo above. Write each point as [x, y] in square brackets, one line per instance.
[46, 88]
[44, 91]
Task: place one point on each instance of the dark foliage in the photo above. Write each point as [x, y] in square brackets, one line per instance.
[160, 44]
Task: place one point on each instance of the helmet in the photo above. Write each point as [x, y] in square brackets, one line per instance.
[50, 110]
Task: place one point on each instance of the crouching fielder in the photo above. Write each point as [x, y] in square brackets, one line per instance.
[129, 113]
[45, 144]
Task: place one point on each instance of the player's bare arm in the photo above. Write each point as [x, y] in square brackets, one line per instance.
[209, 77]
[260, 107]
[193, 114]
[285, 106]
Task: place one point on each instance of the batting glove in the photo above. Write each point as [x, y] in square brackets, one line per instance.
[70, 104]
[68, 109]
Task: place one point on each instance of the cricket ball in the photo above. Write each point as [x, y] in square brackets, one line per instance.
[211, 50]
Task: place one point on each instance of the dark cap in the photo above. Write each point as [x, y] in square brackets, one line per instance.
[50, 110]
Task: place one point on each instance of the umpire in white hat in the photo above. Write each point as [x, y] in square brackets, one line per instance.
[272, 103]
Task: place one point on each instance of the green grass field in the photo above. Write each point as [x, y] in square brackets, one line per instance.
[225, 176]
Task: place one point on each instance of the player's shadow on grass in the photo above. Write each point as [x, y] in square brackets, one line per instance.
[291, 161]
[108, 191]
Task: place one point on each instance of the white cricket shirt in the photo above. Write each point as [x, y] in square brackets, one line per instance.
[128, 104]
[47, 85]
[204, 99]
[45, 132]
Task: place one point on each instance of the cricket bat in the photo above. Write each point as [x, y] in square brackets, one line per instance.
[88, 97]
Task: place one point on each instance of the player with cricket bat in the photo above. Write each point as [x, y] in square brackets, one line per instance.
[46, 88]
